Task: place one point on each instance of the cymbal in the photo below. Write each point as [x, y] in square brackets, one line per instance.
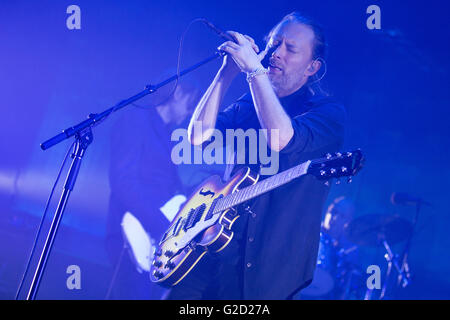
[372, 229]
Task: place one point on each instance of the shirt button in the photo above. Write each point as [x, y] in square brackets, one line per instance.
[251, 239]
[249, 264]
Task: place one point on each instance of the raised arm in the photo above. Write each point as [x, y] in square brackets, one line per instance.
[271, 114]
[208, 107]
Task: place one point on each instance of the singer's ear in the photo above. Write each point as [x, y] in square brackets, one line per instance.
[313, 67]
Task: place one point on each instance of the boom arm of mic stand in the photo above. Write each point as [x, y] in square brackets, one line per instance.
[94, 119]
[83, 133]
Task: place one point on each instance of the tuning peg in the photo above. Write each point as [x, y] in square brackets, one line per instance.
[327, 183]
[338, 181]
[338, 154]
[322, 172]
[328, 156]
[332, 170]
[343, 169]
[349, 154]
[349, 180]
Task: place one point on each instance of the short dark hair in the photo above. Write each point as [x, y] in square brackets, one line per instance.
[320, 45]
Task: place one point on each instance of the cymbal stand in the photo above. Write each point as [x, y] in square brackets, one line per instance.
[392, 260]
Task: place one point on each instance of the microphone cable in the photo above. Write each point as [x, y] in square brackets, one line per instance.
[180, 49]
[42, 221]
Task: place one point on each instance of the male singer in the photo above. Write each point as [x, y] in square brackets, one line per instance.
[274, 251]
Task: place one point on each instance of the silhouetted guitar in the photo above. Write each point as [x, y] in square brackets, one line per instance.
[204, 222]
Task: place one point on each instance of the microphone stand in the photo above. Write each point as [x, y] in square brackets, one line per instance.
[83, 136]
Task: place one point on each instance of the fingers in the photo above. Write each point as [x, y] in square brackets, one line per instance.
[243, 39]
[262, 54]
[228, 46]
[237, 36]
[254, 45]
[249, 38]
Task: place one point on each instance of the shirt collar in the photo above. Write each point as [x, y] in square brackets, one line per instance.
[294, 102]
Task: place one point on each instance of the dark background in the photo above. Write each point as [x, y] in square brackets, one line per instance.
[393, 81]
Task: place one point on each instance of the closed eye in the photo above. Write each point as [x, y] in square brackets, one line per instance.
[292, 49]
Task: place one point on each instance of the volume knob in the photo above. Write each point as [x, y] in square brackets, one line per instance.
[157, 263]
[157, 274]
[168, 253]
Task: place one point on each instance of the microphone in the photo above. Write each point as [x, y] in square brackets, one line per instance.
[402, 198]
[226, 36]
[219, 32]
[266, 61]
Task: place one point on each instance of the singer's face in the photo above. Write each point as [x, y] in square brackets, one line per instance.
[288, 68]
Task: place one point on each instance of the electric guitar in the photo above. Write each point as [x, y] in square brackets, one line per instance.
[205, 220]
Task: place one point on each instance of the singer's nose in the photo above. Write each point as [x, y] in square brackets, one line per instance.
[275, 51]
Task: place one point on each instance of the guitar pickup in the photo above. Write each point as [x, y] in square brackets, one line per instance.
[189, 219]
[198, 213]
[195, 216]
[211, 209]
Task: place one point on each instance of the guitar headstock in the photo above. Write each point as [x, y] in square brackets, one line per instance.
[338, 165]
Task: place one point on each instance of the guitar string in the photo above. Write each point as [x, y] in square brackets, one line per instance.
[254, 190]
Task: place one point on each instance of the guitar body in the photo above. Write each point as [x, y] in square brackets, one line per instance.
[204, 222]
[196, 229]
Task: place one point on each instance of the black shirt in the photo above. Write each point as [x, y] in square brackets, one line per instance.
[278, 244]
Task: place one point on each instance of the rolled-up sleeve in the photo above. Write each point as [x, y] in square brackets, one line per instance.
[319, 128]
[229, 119]
[225, 120]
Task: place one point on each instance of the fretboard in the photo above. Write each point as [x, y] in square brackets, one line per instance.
[261, 187]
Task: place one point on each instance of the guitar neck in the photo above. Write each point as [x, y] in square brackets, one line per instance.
[261, 187]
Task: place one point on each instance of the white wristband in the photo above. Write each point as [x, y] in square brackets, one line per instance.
[258, 71]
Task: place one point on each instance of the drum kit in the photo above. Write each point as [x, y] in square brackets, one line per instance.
[338, 274]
